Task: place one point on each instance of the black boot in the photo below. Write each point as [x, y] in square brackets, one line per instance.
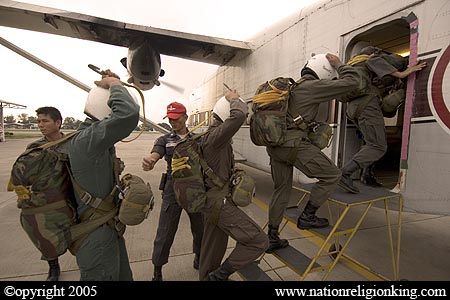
[54, 270]
[346, 181]
[196, 263]
[308, 218]
[222, 273]
[274, 240]
[368, 177]
[157, 273]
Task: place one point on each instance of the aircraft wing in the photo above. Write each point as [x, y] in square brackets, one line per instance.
[172, 43]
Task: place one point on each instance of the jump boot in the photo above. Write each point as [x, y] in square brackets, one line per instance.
[308, 218]
[368, 177]
[274, 240]
[221, 274]
[54, 270]
[157, 273]
[346, 181]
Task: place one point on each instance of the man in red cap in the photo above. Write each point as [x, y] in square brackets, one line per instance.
[175, 110]
[169, 216]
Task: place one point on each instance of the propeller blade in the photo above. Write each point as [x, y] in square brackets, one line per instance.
[176, 88]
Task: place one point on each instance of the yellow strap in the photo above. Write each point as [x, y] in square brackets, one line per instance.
[11, 186]
[269, 97]
[199, 124]
[143, 111]
[358, 59]
[180, 163]
[23, 193]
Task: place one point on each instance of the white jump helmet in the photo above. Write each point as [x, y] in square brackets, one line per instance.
[222, 108]
[320, 65]
[96, 106]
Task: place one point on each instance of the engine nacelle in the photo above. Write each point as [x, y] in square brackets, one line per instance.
[143, 64]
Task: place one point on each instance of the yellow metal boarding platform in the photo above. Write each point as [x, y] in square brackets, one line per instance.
[335, 239]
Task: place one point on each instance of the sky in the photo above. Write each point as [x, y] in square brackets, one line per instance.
[26, 83]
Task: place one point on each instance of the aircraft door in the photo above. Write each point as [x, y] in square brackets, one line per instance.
[393, 37]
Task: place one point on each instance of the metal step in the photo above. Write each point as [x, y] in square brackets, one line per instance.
[252, 272]
[294, 259]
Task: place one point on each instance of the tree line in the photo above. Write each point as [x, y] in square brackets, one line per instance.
[25, 119]
[68, 122]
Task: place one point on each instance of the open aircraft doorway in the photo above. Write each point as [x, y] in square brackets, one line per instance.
[392, 37]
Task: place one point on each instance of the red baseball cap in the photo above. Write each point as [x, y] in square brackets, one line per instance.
[175, 110]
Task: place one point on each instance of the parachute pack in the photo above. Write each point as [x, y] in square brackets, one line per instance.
[269, 121]
[41, 181]
[188, 173]
[46, 190]
[390, 89]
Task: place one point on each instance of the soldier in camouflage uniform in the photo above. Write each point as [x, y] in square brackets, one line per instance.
[223, 218]
[40, 183]
[169, 216]
[49, 122]
[317, 86]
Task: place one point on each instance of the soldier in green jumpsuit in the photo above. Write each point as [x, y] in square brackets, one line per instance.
[102, 255]
[365, 111]
[317, 86]
[223, 219]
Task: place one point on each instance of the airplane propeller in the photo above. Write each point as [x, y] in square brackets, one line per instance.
[176, 88]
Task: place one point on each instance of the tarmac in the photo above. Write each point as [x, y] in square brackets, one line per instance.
[424, 249]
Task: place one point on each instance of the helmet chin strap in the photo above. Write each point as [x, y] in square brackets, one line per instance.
[308, 71]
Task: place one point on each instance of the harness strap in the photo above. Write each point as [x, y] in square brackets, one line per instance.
[45, 208]
[143, 207]
[181, 163]
[53, 143]
[90, 220]
[88, 199]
